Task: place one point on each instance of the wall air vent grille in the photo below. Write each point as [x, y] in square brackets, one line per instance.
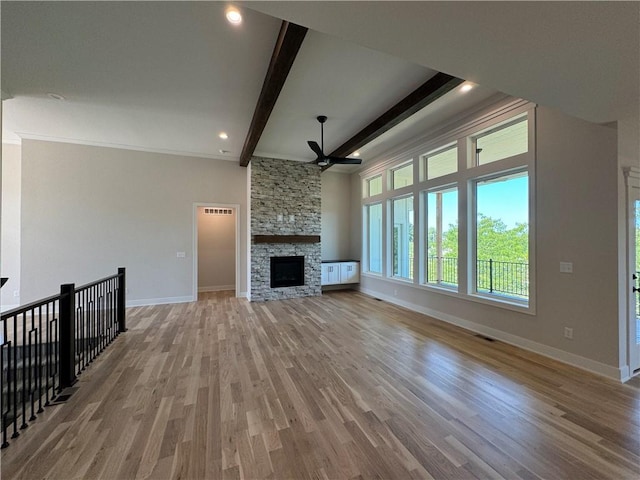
[218, 211]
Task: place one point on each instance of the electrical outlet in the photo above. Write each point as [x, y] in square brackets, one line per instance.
[566, 267]
[16, 293]
[568, 333]
[395, 292]
[181, 254]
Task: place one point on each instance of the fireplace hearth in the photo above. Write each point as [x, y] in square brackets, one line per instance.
[287, 271]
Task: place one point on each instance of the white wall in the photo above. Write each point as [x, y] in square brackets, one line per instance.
[216, 251]
[576, 214]
[88, 210]
[10, 225]
[336, 216]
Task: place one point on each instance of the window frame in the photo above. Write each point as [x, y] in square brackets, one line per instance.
[473, 236]
[514, 120]
[467, 172]
[424, 211]
[390, 232]
[424, 161]
[367, 186]
[366, 254]
[400, 166]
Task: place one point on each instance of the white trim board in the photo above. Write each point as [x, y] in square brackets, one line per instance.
[6, 308]
[143, 302]
[619, 374]
[121, 146]
[216, 288]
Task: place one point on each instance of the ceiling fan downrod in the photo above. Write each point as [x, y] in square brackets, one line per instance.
[322, 118]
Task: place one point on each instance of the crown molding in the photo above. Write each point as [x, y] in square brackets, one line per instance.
[92, 143]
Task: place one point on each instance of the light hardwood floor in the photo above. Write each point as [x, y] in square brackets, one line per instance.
[338, 386]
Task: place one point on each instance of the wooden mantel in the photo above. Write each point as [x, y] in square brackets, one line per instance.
[286, 238]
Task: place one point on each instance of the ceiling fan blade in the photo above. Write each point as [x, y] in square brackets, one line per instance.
[316, 148]
[345, 161]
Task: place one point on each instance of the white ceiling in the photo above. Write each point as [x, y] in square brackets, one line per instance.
[169, 76]
[581, 57]
[159, 76]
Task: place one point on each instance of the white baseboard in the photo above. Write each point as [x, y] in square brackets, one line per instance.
[216, 288]
[243, 295]
[164, 301]
[620, 374]
[6, 308]
[158, 301]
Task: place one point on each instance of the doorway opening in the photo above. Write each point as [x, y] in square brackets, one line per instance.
[632, 177]
[216, 248]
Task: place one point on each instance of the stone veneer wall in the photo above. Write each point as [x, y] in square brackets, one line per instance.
[284, 187]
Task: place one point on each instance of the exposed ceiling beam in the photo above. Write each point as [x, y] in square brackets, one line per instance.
[284, 53]
[427, 93]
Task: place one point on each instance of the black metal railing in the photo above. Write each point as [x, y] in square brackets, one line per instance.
[45, 344]
[507, 278]
[443, 270]
[492, 276]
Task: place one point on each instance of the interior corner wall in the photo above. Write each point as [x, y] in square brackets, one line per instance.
[88, 210]
[576, 221]
[336, 222]
[10, 225]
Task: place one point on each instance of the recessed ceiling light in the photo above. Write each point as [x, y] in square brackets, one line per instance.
[224, 152]
[233, 16]
[55, 96]
[223, 135]
[355, 154]
[466, 87]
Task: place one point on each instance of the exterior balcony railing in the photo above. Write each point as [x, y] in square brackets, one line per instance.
[492, 276]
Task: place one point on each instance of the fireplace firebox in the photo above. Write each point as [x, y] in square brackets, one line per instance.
[287, 271]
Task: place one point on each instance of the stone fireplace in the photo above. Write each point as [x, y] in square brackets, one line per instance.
[285, 224]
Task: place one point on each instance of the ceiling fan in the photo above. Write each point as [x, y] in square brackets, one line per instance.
[325, 160]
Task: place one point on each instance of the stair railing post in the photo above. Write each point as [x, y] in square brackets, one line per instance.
[67, 366]
[122, 291]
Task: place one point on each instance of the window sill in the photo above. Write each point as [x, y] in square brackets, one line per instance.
[493, 301]
[502, 302]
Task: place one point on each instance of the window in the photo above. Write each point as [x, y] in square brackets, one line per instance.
[402, 177]
[374, 237]
[470, 235]
[374, 186]
[402, 250]
[502, 236]
[441, 262]
[442, 162]
[502, 142]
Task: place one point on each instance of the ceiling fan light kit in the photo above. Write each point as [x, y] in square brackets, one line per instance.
[325, 160]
